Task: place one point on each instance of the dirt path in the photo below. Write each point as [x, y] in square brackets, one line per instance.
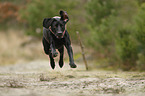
[38, 79]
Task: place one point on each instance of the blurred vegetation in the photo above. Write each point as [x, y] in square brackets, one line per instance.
[117, 31]
[114, 29]
[36, 11]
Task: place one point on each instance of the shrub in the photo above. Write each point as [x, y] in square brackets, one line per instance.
[139, 35]
[112, 28]
[126, 49]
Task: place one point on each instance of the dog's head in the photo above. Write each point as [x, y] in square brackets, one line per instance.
[57, 24]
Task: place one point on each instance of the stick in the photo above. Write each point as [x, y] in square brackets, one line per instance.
[82, 48]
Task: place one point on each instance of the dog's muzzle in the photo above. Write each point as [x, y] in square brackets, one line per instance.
[59, 34]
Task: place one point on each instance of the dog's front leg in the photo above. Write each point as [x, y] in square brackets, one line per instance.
[53, 50]
[70, 53]
[61, 51]
[53, 54]
[52, 63]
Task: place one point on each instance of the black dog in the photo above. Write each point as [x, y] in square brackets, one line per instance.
[55, 36]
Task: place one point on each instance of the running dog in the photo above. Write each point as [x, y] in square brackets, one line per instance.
[55, 36]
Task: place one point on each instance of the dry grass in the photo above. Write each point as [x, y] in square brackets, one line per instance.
[16, 47]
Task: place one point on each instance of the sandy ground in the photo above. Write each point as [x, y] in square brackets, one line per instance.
[36, 78]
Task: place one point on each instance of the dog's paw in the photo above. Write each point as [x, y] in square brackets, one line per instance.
[72, 65]
[61, 64]
[52, 65]
[54, 54]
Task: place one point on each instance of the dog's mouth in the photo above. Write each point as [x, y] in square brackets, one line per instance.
[59, 37]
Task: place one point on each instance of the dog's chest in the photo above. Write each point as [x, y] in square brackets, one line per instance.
[59, 43]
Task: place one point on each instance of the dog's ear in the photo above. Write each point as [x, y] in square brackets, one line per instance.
[47, 22]
[64, 16]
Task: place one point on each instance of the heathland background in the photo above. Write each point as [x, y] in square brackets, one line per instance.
[112, 31]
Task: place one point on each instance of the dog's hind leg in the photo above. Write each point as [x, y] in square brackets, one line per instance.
[61, 51]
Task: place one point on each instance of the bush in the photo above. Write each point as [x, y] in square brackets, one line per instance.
[8, 14]
[126, 49]
[101, 13]
[113, 32]
[139, 35]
